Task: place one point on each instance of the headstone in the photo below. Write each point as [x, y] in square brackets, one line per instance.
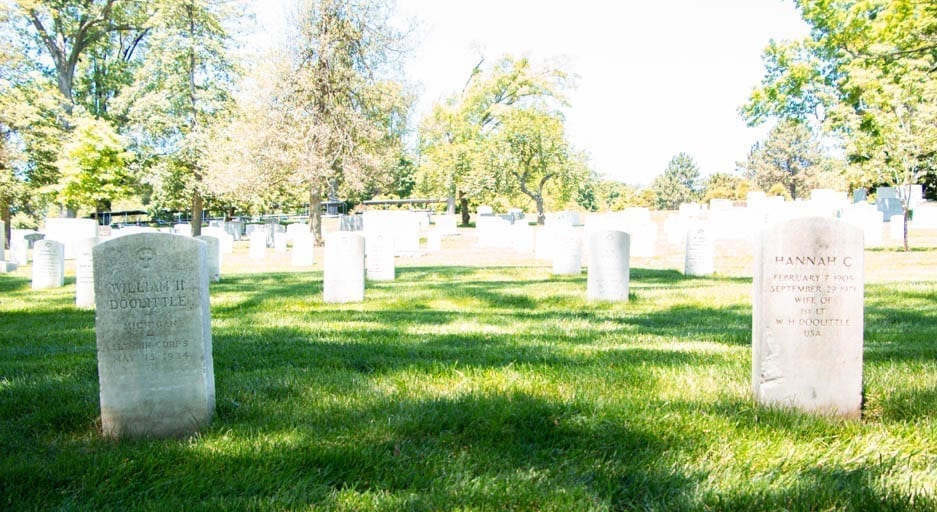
[19, 245]
[69, 232]
[896, 227]
[257, 250]
[153, 329]
[379, 256]
[279, 242]
[402, 226]
[271, 227]
[609, 266]
[859, 195]
[212, 257]
[5, 266]
[485, 210]
[567, 252]
[699, 251]
[225, 240]
[807, 317]
[351, 223]
[235, 228]
[433, 240]
[303, 250]
[84, 272]
[182, 229]
[343, 267]
[446, 224]
[48, 265]
[522, 236]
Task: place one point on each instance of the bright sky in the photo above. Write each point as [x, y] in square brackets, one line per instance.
[655, 77]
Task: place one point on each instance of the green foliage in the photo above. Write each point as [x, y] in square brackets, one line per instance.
[506, 107]
[790, 156]
[867, 71]
[94, 166]
[725, 186]
[679, 183]
[181, 88]
[473, 389]
[779, 189]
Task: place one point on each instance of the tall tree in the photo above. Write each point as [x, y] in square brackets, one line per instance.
[455, 136]
[338, 109]
[529, 151]
[679, 183]
[790, 156]
[94, 166]
[181, 89]
[77, 46]
[867, 73]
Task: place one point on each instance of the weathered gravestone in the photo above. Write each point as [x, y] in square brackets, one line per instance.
[84, 272]
[807, 317]
[153, 328]
[609, 265]
[48, 264]
[213, 256]
[700, 251]
[343, 267]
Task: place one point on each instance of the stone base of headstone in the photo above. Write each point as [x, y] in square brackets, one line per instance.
[7, 267]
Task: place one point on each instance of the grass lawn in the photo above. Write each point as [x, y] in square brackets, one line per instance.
[477, 388]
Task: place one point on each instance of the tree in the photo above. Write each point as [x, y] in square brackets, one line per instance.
[678, 184]
[867, 74]
[455, 138]
[76, 49]
[529, 151]
[722, 185]
[94, 166]
[790, 156]
[181, 89]
[335, 110]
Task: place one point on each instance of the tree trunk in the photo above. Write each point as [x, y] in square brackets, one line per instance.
[541, 217]
[197, 208]
[5, 218]
[450, 205]
[905, 218]
[315, 214]
[464, 208]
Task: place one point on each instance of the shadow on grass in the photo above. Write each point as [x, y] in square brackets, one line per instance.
[277, 444]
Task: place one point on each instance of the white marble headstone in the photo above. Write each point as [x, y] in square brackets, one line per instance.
[807, 316]
[153, 329]
[48, 264]
[567, 252]
[609, 265]
[258, 245]
[213, 256]
[700, 250]
[84, 272]
[303, 250]
[379, 256]
[343, 267]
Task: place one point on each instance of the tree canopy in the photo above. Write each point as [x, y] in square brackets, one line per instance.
[866, 74]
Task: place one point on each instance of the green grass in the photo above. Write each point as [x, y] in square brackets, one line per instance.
[473, 389]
